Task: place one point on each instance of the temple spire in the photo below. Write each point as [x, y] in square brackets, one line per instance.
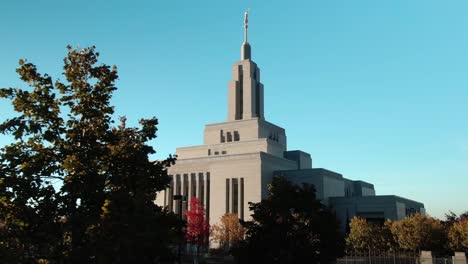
[245, 92]
[245, 49]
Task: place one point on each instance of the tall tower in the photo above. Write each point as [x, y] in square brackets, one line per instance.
[245, 91]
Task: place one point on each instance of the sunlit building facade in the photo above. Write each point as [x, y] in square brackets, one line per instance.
[239, 158]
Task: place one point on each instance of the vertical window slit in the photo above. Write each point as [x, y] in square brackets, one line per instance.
[241, 214]
[235, 196]
[227, 195]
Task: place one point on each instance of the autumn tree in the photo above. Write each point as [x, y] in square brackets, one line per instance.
[290, 226]
[198, 228]
[367, 237]
[229, 231]
[452, 217]
[458, 235]
[418, 232]
[75, 188]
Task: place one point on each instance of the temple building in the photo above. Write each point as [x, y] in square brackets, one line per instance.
[239, 158]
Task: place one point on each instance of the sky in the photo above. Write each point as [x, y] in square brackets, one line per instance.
[374, 90]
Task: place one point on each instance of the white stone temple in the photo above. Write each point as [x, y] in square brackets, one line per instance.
[240, 156]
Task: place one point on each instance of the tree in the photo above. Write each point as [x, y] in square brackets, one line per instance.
[198, 228]
[29, 221]
[418, 232]
[458, 235]
[367, 237]
[290, 226]
[130, 224]
[229, 231]
[73, 187]
[451, 217]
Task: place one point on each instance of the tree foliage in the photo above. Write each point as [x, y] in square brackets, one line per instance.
[369, 237]
[290, 226]
[413, 233]
[198, 228]
[197, 231]
[418, 232]
[73, 187]
[451, 218]
[458, 234]
[228, 232]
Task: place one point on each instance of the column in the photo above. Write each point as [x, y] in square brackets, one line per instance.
[177, 191]
[189, 189]
[185, 193]
[170, 194]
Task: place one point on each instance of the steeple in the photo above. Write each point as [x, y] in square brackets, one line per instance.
[245, 49]
[245, 92]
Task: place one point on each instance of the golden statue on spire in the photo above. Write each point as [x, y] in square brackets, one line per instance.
[245, 49]
[246, 24]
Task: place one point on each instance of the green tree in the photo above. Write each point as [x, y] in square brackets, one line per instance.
[63, 134]
[367, 237]
[290, 226]
[418, 232]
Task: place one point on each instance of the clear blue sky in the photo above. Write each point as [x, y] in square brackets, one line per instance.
[375, 90]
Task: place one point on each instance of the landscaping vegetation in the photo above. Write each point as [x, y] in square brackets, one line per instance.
[77, 186]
